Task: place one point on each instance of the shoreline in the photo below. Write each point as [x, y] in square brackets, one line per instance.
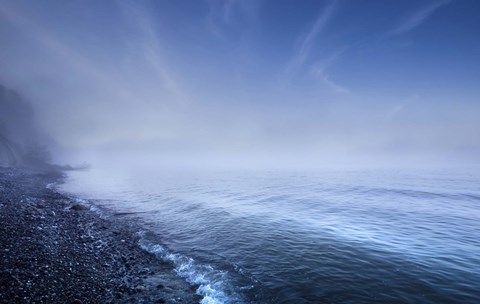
[56, 249]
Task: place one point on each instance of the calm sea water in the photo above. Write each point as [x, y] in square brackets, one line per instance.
[323, 237]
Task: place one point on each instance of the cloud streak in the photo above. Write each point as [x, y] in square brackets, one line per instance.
[225, 17]
[306, 44]
[151, 47]
[418, 17]
[321, 73]
[141, 92]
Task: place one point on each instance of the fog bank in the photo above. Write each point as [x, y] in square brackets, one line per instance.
[246, 84]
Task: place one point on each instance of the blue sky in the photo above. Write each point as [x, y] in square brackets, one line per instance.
[321, 81]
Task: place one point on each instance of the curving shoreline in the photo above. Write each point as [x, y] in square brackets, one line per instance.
[55, 249]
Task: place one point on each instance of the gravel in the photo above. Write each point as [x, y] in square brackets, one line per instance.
[56, 249]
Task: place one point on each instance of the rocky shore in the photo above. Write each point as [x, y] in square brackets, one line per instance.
[56, 249]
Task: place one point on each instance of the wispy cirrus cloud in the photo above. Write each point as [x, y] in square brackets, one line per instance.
[301, 55]
[417, 18]
[62, 51]
[320, 71]
[223, 15]
[148, 42]
[400, 107]
[140, 89]
[81, 62]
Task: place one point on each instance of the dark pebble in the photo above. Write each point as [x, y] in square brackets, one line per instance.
[79, 207]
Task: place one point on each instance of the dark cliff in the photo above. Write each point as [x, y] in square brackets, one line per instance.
[20, 142]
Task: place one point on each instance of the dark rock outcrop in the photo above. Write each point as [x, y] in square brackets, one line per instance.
[21, 144]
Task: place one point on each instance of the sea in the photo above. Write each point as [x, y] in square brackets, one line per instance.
[326, 236]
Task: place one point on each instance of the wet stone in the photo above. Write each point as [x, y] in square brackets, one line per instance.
[79, 207]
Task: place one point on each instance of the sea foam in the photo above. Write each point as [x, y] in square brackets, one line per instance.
[214, 285]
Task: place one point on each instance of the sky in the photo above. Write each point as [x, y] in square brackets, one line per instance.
[243, 82]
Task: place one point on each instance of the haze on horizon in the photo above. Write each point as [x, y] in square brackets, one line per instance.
[240, 82]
